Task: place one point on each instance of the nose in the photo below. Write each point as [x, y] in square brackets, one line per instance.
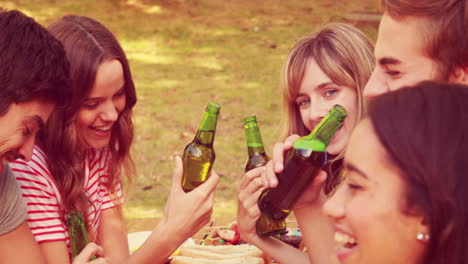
[26, 150]
[334, 207]
[109, 112]
[375, 86]
[318, 111]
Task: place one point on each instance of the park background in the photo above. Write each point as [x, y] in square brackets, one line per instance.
[185, 53]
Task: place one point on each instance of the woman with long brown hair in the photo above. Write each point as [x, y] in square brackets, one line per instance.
[83, 156]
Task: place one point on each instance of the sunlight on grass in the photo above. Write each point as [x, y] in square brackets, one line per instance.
[9, 5]
[208, 63]
[155, 9]
[142, 212]
[151, 59]
[251, 85]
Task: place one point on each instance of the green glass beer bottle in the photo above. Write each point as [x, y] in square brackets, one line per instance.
[301, 165]
[199, 154]
[265, 226]
[79, 237]
[255, 149]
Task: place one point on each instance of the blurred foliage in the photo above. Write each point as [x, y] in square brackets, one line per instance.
[184, 53]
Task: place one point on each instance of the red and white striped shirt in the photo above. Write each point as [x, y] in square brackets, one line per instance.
[45, 216]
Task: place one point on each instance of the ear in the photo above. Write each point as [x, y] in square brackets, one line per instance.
[459, 76]
[423, 229]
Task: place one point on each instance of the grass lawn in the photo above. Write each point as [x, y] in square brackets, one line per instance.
[184, 53]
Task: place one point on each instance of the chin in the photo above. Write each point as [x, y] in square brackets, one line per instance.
[336, 147]
[98, 144]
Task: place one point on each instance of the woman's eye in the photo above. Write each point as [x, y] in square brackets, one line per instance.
[392, 73]
[303, 103]
[353, 186]
[331, 92]
[90, 105]
[120, 93]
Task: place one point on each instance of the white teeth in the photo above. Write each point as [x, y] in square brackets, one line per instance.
[344, 239]
[102, 128]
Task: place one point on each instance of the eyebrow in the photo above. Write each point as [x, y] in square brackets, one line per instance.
[320, 86]
[389, 61]
[100, 98]
[351, 167]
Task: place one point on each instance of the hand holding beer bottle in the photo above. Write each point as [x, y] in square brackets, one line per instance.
[302, 164]
[199, 155]
[310, 196]
[257, 157]
[186, 213]
[83, 250]
[87, 254]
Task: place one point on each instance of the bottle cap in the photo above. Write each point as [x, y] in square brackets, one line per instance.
[213, 107]
[250, 119]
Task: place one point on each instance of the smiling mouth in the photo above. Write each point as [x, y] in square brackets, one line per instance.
[345, 241]
[101, 129]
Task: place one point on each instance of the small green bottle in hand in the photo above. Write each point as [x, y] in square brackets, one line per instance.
[79, 237]
[266, 226]
[199, 155]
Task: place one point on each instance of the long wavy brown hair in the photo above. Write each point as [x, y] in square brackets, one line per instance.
[87, 44]
[345, 55]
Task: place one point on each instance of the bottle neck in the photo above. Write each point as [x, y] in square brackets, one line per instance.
[78, 234]
[254, 139]
[323, 133]
[207, 128]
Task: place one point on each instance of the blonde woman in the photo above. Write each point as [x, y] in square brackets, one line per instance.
[326, 68]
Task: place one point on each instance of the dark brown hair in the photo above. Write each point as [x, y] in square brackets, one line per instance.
[445, 28]
[32, 63]
[87, 44]
[424, 130]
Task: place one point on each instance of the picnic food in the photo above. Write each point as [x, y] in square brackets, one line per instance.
[302, 163]
[222, 235]
[199, 155]
[189, 260]
[230, 254]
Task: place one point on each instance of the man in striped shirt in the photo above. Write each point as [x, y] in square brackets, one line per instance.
[33, 80]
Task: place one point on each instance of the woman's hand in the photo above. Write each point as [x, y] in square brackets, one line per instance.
[186, 213]
[247, 209]
[276, 165]
[88, 252]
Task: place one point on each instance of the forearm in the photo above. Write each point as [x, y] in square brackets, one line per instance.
[112, 235]
[19, 246]
[162, 242]
[279, 251]
[317, 232]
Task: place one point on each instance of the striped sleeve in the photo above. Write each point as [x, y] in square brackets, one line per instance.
[40, 195]
[100, 175]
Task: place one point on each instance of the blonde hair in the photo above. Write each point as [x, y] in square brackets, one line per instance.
[342, 52]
